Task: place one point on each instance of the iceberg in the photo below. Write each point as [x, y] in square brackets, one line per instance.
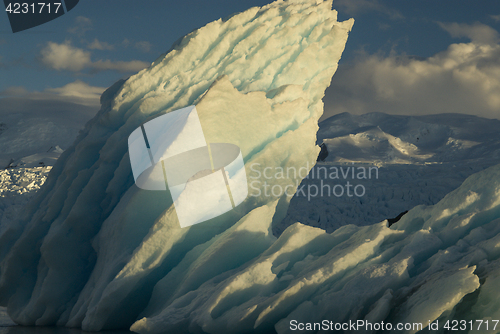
[92, 250]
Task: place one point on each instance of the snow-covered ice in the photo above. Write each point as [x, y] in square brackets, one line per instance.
[17, 186]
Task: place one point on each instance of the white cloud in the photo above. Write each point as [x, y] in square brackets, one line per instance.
[465, 78]
[477, 32]
[143, 46]
[77, 92]
[67, 57]
[353, 7]
[81, 26]
[98, 45]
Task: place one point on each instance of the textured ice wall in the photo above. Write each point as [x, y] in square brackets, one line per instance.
[440, 262]
[91, 247]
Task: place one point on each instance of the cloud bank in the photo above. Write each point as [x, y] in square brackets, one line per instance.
[77, 92]
[465, 78]
[66, 57]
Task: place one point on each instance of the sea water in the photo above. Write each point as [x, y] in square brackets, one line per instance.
[7, 326]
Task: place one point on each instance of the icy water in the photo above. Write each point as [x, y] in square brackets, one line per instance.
[50, 330]
[8, 327]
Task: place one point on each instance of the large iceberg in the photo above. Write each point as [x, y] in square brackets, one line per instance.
[93, 250]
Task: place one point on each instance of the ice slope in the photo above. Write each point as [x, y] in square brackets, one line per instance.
[420, 159]
[438, 262]
[90, 247]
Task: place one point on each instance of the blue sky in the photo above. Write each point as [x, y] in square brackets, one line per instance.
[402, 57]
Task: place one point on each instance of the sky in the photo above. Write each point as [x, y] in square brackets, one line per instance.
[402, 57]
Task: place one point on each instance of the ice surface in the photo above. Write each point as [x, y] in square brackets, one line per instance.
[92, 250]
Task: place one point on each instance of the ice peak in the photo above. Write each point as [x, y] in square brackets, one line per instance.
[257, 79]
